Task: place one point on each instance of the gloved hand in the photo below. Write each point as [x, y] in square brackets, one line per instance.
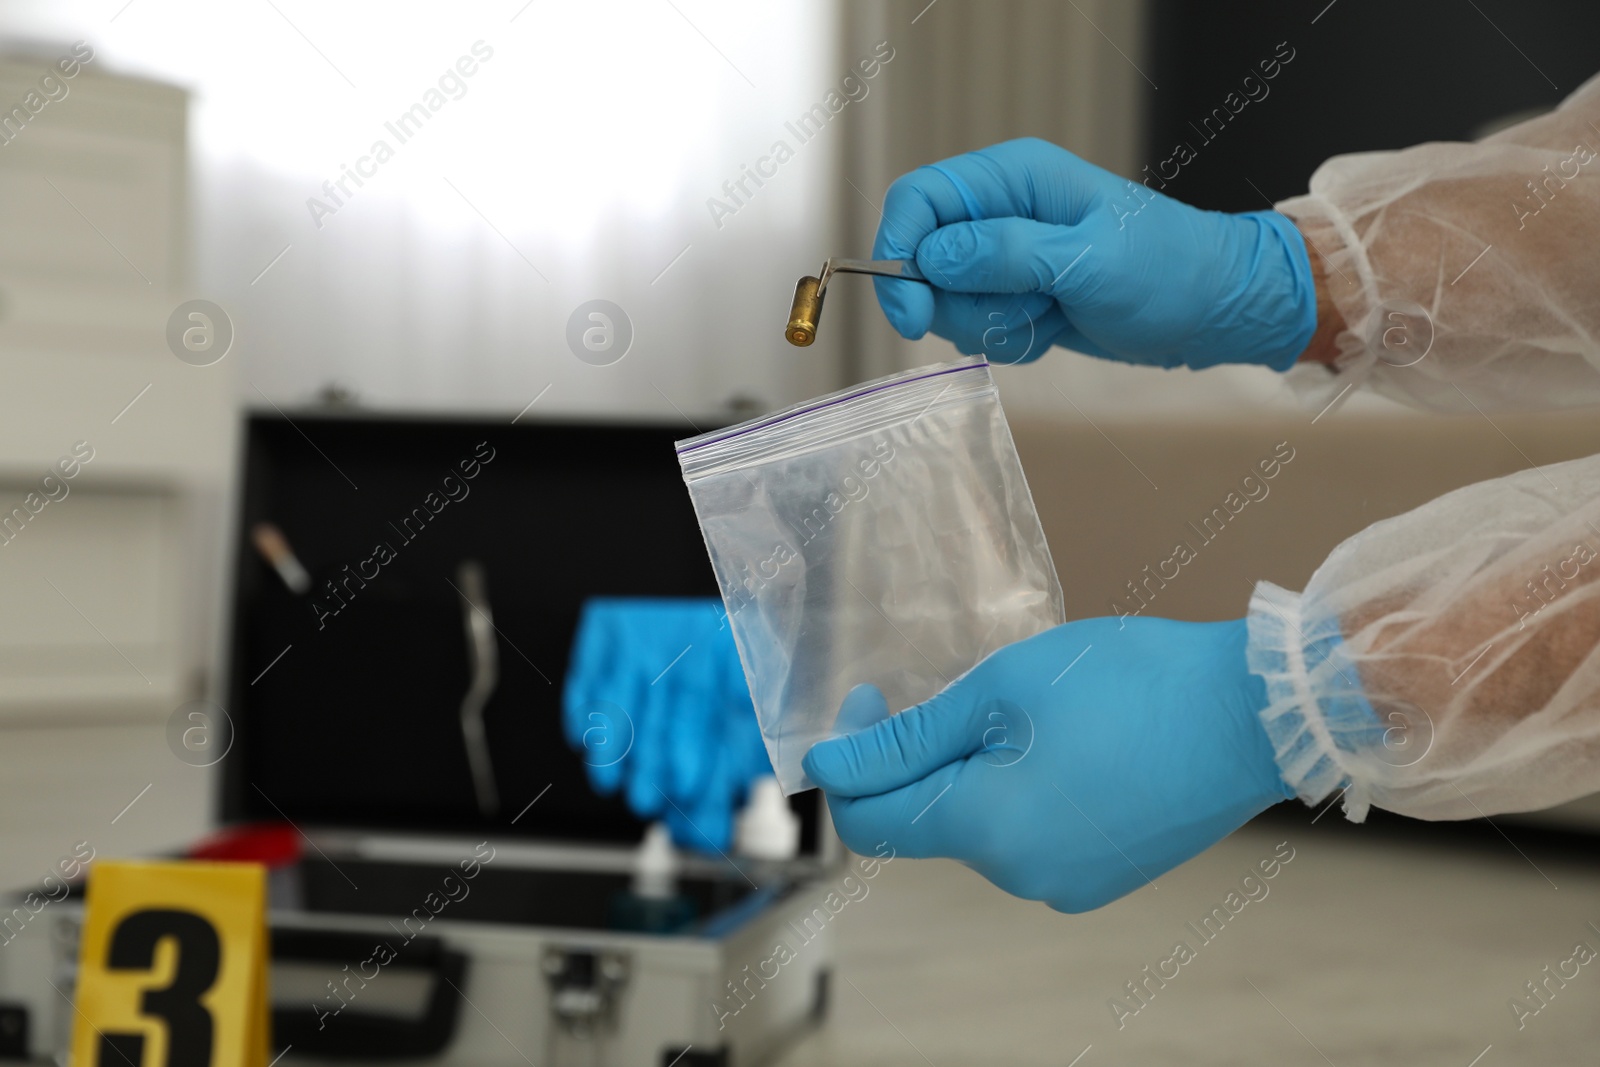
[655, 702]
[1028, 246]
[1067, 780]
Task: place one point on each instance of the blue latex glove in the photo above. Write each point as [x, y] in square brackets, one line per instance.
[655, 702]
[1073, 788]
[1029, 246]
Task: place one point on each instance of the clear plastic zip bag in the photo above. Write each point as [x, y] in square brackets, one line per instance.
[883, 534]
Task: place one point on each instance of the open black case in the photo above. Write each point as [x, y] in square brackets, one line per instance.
[346, 699]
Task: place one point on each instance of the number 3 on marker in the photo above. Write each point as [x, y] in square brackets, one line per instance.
[203, 997]
[189, 1029]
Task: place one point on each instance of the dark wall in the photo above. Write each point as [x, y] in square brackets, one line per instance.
[1366, 74]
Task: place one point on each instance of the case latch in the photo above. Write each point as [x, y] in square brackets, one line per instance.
[585, 987]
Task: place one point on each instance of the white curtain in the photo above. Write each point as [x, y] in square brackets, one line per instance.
[562, 153]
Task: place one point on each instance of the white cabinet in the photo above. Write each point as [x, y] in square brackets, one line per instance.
[92, 208]
[109, 591]
[93, 612]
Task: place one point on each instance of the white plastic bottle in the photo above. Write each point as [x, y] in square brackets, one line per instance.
[653, 904]
[767, 831]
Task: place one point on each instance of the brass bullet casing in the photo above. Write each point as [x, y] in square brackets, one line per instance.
[804, 312]
[808, 294]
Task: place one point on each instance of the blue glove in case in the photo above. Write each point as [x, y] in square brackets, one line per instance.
[656, 703]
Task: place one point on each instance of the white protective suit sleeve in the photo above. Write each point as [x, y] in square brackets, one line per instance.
[1445, 663]
[1466, 274]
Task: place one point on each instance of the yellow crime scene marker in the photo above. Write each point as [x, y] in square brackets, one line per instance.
[173, 968]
